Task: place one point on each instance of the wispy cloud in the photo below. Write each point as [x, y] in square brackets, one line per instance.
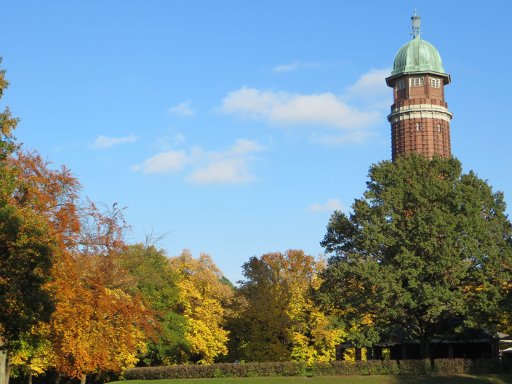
[230, 170]
[328, 206]
[229, 166]
[164, 162]
[294, 109]
[105, 142]
[350, 116]
[286, 67]
[371, 85]
[182, 109]
[296, 65]
[371, 90]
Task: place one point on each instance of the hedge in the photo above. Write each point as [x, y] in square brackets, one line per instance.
[333, 368]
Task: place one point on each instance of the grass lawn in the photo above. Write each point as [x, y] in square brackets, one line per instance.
[376, 379]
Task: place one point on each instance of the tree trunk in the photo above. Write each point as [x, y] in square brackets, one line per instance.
[425, 347]
[3, 367]
[3, 362]
[29, 380]
[84, 379]
[7, 373]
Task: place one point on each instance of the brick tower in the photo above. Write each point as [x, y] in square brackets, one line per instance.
[420, 119]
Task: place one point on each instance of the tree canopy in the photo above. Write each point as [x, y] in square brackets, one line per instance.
[426, 251]
[280, 320]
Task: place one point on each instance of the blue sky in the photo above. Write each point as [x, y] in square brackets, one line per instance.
[237, 127]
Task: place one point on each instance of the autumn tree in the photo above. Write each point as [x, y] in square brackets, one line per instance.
[203, 298]
[33, 353]
[59, 271]
[94, 328]
[281, 319]
[426, 252]
[96, 324]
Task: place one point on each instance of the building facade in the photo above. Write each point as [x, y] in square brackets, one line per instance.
[420, 119]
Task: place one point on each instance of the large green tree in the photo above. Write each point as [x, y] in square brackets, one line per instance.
[425, 252]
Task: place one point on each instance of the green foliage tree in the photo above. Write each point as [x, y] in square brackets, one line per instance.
[26, 251]
[426, 251]
[155, 280]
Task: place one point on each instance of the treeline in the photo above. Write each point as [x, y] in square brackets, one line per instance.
[425, 253]
[76, 299]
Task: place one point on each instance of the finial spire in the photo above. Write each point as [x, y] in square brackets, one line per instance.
[416, 21]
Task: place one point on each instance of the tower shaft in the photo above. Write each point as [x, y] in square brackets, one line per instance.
[420, 120]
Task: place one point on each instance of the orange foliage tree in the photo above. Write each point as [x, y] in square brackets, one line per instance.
[96, 325]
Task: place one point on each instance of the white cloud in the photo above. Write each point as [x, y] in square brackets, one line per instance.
[244, 146]
[230, 166]
[182, 109]
[328, 206]
[164, 162]
[293, 66]
[286, 67]
[104, 142]
[371, 84]
[349, 116]
[293, 109]
[232, 170]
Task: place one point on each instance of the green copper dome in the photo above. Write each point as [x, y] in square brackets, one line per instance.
[417, 55]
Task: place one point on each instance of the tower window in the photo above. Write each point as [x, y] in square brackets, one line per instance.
[435, 83]
[400, 85]
[416, 81]
[418, 126]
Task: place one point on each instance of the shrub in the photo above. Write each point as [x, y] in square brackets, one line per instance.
[451, 366]
[333, 368]
[486, 366]
[415, 367]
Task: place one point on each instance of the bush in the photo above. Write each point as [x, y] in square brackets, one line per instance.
[189, 371]
[415, 367]
[333, 368]
[451, 366]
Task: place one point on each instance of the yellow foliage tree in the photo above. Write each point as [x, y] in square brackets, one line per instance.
[203, 297]
[34, 354]
[282, 320]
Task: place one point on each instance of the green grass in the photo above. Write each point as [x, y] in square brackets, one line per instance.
[374, 379]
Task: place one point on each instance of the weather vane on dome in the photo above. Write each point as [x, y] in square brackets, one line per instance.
[416, 21]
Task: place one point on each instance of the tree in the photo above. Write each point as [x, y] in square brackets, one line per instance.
[203, 298]
[426, 252]
[33, 353]
[94, 328]
[59, 271]
[281, 318]
[157, 283]
[96, 325]
[26, 251]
